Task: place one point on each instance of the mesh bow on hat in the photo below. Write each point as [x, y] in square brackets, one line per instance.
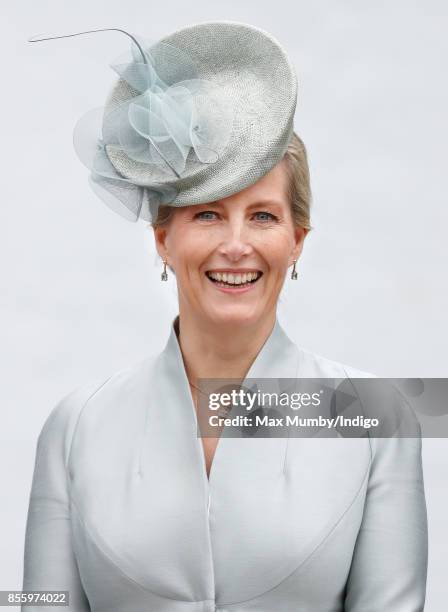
[193, 118]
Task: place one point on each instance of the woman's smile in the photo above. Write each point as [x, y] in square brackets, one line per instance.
[238, 280]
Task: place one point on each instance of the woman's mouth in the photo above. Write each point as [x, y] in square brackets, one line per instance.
[234, 282]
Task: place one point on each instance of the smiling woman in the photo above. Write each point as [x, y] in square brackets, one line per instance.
[130, 509]
[212, 247]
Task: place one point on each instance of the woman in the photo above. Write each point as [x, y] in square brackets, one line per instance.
[130, 510]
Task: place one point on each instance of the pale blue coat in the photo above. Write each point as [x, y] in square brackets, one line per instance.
[122, 513]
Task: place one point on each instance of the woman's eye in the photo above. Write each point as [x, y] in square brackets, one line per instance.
[206, 214]
[211, 215]
[265, 216]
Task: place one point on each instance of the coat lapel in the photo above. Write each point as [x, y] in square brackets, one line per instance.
[277, 359]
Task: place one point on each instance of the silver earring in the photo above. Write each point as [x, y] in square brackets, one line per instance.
[164, 275]
[294, 272]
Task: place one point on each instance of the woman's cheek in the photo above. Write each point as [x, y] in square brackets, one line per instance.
[276, 251]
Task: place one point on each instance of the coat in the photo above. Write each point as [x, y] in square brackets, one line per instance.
[123, 515]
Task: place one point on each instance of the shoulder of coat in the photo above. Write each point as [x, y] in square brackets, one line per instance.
[60, 424]
[314, 364]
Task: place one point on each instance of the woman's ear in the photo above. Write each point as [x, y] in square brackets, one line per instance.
[160, 241]
[300, 234]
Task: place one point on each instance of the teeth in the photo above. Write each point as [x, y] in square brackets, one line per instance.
[234, 279]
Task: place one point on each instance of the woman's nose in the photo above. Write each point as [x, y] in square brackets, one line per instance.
[235, 242]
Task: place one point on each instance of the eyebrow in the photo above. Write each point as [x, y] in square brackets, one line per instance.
[266, 202]
[262, 202]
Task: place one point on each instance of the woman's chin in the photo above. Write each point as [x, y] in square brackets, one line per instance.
[237, 315]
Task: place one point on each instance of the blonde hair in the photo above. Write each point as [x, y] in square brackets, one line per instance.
[299, 190]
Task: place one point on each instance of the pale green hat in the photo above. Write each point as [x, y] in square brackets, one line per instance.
[195, 117]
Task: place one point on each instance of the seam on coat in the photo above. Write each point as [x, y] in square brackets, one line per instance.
[369, 436]
[285, 459]
[75, 429]
[146, 425]
[300, 566]
[68, 480]
[122, 572]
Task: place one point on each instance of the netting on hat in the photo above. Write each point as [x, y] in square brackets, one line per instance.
[168, 115]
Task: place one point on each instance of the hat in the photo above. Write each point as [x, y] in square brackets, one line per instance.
[193, 118]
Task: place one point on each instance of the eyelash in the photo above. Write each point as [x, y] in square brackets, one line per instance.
[260, 212]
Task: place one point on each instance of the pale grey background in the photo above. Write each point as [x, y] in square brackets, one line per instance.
[81, 288]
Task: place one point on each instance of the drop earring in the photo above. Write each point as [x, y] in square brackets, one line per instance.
[164, 275]
[294, 271]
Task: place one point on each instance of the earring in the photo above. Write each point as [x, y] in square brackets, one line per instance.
[294, 272]
[164, 275]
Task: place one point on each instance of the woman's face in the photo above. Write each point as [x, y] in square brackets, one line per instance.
[230, 257]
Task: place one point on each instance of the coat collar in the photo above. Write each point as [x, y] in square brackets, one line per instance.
[277, 358]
